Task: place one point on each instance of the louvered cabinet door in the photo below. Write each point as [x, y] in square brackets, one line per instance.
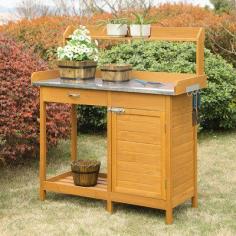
[137, 153]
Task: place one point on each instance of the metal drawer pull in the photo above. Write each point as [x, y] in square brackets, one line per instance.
[116, 110]
[74, 95]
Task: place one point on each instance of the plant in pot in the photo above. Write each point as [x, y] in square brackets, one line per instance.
[78, 58]
[116, 27]
[141, 25]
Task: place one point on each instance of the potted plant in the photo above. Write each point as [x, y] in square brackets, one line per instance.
[78, 58]
[141, 25]
[116, 27]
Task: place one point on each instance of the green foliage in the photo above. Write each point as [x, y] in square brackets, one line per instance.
[218, 100]
[223, 5]
[142, 19]
[92, 118]
[115, 20]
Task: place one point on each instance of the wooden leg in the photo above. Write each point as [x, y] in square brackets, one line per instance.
[43, 147]
[109, 206]
[42, 195]
[169, 216]
[195, 201]
[73, 133]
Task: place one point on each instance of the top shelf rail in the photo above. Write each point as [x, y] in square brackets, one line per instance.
[182, 34]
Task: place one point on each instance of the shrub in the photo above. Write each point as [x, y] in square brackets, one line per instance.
[45, 34]
[218, 100]
[19, 116]
[92, 118]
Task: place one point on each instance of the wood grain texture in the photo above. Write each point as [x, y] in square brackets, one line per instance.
[73, 132]
[82, 96]
[138, 101]
[136, 160]
[43, 146]
[183, 140]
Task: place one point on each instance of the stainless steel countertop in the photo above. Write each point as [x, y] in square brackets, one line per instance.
[131, 86]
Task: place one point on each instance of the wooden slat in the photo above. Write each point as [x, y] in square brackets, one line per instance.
[87, 97]
[139, 137]
[182, 119]
[138, 192]
[139, 200]
[151, 159]
[182, 177]
[137, 178]
[145, 169]
[150, 128]
[183, 138]
[181, 158]
[44, 75]
[185, 147]
[138, 101]
[125, 146]
[183, 187]
[67, 188]
[186, 195]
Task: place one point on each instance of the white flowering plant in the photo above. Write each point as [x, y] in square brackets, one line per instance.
[79, 47]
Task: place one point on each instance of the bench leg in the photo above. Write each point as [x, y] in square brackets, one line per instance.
[109, 206]
[169, 216]
[42, 194]
[194, 201]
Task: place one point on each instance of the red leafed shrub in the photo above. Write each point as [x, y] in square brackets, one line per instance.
[19, 104]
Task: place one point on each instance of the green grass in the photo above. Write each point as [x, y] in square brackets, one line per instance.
[21, 212]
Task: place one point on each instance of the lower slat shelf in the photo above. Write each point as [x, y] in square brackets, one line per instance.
[64, 184]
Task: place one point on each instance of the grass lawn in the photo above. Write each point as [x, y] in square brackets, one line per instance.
[21, 212]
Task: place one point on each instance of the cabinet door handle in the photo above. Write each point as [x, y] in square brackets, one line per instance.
[74, 95]
[117, 110]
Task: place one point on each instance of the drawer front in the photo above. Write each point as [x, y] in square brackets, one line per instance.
[74, 96]
[138, 101]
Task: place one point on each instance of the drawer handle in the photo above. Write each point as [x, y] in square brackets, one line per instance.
[74, 95]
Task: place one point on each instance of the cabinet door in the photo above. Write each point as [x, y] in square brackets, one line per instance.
[138, 138]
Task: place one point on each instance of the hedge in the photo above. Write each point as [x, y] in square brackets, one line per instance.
[218, 109]
[19, 102]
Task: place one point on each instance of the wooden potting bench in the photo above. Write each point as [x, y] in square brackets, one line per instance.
[152, 141]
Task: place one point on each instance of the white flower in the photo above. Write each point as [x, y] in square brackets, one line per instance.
[96, 42]
[79, 46]
[95, 58]
[81, 38]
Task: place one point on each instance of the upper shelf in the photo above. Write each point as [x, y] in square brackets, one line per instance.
[189, 34]
[157, 33]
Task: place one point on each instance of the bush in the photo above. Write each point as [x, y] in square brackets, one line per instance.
[19, 116]
[45, 34]
[92, 118]
[218, 100]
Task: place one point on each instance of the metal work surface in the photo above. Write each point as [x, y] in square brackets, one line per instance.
[133, 85]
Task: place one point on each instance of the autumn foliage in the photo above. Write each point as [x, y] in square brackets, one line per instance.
[19, 104]
[45, 34]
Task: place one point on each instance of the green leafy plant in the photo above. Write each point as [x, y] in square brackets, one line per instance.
[218, 99]
[115, 20]
[141, 19]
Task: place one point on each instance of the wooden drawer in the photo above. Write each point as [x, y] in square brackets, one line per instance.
[138, 101]
[74, 96]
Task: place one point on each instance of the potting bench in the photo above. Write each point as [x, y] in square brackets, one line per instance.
[152, 139]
